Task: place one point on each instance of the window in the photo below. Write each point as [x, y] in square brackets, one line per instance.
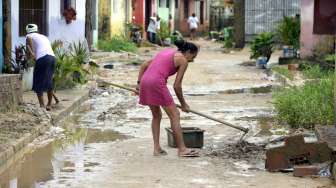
[65, 4]
[186, 8]
[32, 11]
[164, 3]
[176, 4]
[115, 6]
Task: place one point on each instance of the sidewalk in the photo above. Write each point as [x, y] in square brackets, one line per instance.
[20, 128]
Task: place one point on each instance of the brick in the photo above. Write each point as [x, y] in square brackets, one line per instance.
[296, 152]
[306, 170]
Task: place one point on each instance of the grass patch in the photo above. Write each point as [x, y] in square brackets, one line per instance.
[117, 44]
[306, 106]
[315, 72]
[284, 71]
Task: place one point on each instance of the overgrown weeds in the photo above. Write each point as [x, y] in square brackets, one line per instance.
[309, 105]
[117, 44]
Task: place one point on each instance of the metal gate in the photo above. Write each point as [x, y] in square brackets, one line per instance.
[218, 20]
[264, 15]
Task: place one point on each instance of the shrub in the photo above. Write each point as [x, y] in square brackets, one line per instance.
[79, 51]
[288, 31]
[164, 31]
[69, 69]
[307, 106]
[117, 44]
[262, 45]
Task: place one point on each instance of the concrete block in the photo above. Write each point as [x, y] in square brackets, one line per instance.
[296, 152]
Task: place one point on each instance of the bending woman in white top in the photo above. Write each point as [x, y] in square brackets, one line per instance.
[39, 49]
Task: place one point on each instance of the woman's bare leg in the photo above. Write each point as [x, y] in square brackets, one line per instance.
[40, 99]
[174, 116]
[157, 116]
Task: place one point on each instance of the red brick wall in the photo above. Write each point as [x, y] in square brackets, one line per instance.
[10, 91]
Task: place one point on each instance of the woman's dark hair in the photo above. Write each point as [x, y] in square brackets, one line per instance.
[184, 46]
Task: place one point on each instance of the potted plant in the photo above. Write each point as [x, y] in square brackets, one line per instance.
[262, 47]
[69, 15]
[25, 67]
[288, 34]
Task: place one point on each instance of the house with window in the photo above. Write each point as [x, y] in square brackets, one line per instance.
[185, 8]
[318, 20]
[113, 16]
[58, 19]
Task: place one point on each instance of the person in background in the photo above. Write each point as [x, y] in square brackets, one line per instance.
[193, 25]
[152, 28]
[40, 50]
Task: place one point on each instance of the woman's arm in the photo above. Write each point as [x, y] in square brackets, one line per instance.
[182, 67]
[29, 46]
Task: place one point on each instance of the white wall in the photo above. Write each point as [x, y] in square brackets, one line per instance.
[57, 28]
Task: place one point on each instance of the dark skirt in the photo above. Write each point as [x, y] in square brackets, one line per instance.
[43, 74]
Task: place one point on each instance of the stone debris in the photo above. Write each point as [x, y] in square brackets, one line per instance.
[242, 150]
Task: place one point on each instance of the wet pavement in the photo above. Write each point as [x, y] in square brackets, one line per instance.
[108, 143]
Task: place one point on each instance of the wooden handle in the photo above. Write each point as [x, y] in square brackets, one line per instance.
[179, 106]
[217, 120]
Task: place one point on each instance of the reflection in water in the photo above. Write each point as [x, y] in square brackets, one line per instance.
[57, 161]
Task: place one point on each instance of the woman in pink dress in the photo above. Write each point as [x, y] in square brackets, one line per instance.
[152, 83]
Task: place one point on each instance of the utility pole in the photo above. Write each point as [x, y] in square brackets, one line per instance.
[7, 33]
[239, 23]
[88, 22]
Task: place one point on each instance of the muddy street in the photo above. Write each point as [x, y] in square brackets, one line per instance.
[107, 142]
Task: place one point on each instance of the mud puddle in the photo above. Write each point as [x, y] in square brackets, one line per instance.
[62, 154]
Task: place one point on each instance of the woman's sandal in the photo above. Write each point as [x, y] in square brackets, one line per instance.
[161, 153]
[190, 153]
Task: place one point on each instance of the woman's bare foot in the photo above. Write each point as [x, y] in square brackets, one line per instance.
[160, 152]
[189, 153]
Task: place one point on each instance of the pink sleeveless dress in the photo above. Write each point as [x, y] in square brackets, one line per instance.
[153, 84]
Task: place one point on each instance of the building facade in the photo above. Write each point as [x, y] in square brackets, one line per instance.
[310, 36]
[113, 16]
[48, 15]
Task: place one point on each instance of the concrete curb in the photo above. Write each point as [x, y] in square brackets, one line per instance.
[66, 112]
[284, 81]
[27, 138]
